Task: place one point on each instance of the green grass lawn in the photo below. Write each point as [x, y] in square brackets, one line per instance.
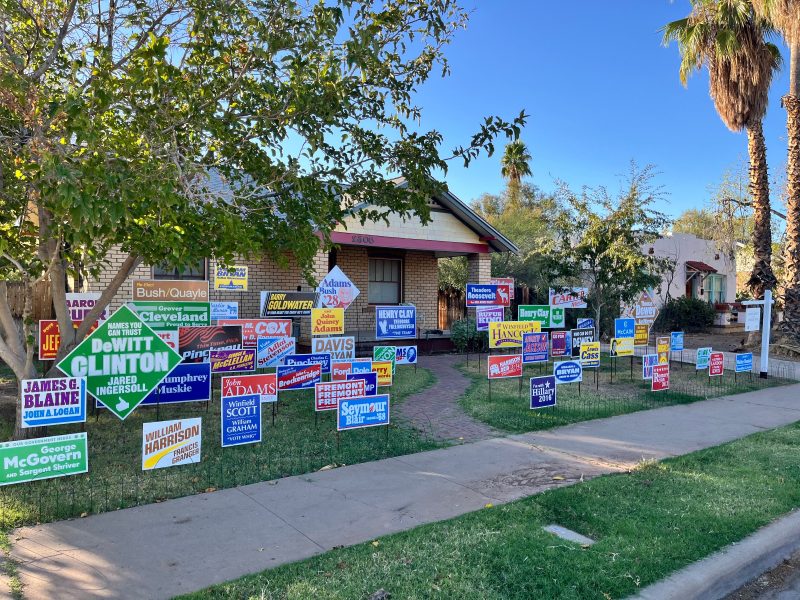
[294, 445]
[507, 407]
[647, 524]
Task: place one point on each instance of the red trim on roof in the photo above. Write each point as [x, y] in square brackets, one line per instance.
[382, 241]
[700, 266]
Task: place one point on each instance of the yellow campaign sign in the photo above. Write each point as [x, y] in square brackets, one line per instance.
[590, 354]
[621, 346]
[641, 335]
[231, 279]
[508, 334]
[327, 321]
[384, 370]
[662, 349]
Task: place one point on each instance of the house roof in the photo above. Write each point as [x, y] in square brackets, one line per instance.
[700, 266]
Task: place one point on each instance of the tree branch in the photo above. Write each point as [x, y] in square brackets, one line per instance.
[57, 42]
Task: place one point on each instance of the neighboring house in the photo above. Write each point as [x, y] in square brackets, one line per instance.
[390, 264]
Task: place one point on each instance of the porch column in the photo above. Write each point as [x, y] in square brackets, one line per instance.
[479, 268]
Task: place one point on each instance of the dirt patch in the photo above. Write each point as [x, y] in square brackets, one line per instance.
[781, 582]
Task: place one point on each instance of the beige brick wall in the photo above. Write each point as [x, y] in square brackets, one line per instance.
[480, 268]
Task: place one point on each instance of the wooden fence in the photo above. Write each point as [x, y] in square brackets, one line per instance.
[452, 305]
[42, 300]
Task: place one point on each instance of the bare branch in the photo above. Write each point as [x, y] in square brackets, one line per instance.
[56, 43]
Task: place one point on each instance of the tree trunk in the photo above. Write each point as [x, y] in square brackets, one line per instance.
[21, 433]
[791, 322]
[762, 278]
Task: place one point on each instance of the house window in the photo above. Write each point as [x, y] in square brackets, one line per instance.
[384, 280]
[196, 271]
[715, 288]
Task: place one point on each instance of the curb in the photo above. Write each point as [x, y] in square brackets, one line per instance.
[729, 569]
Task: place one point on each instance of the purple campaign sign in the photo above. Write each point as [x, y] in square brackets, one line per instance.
[534, 348]
[486, 315]
[543, 391]
[370, 382]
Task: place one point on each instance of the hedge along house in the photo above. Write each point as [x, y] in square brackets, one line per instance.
[390, 264]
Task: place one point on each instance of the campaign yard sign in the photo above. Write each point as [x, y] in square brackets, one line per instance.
[744, 362]
[369, 411]
[534, 348]
[676, 341]
[340, 348]
[296, 377]
[485, 294]
[621, 347]
[395, 322]
[169, 316]
[648, 362]
[558, 341]
[488, 314]
[287, 304]
[543, 391]
[662, 349]
[548, 316]
[624, 328]
[508, 334]
[336, 290]
[53, 401]
[194, 343]
[568, 371]
[370, 382]
[271, 351]
[569, 297]
[241, 420]
[169, 290]
[50, 338]
[644, 310]
[509, 281]
[702, 358]
[80, 303]
[299, 360]
[327, 321]
[328, 394]
[361, 365]
[170, 338]
[43, 458]
[584, 323]
[252, 329]
[660, 379]
[224, 310]
[384, 369]
[580, 336]
[171, 443]
[188, 382]
[384, 353]
[641, 335]
[340, 370]
[233, 361]
[265, 385]
[504, 365]
[716, 364]
[590, 355]
[406, 355]
[230, 279]
[122, 361]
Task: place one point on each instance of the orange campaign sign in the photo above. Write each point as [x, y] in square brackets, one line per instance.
[641, 335]
[50, 338]
[166, 290]
[384, 370]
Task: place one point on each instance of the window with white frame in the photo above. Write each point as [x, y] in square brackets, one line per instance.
[385, 280]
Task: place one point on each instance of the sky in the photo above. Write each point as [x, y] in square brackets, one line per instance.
[601, 90]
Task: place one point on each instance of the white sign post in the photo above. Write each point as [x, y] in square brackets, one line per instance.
[766, 325]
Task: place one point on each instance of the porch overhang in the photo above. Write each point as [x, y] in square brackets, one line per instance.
[346, 238]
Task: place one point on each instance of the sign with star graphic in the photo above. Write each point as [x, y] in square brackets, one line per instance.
[543, 391]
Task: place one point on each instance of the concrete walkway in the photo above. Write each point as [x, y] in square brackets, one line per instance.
[160, 550]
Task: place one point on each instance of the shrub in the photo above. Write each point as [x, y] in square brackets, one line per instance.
[466, 337]
[686, 314]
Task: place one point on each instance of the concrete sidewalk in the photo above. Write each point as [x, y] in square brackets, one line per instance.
[160, 550]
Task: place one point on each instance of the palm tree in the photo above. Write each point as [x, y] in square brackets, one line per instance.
[729, 39]
[515, 165]
[784, 15]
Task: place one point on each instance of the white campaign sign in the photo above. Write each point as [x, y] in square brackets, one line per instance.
[170, 443]
[752, 318]
[336, 290]
[340, 348]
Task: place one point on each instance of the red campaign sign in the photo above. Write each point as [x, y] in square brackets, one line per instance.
[50, 338]
[558, 340]
[716, 364]
[505, 365]
[660, 379]
[509, 281]
[299, 377]
[328, 394]
[252, 329]
[265, 386]
[340, 370]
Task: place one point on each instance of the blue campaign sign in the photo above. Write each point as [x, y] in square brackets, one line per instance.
[188, 382]
[744, 362]
[585, 324]
[224, 310]
[406, 355]
[360, 366]
[534, 348]
[648, 362]
[543, 391]
[241, 420]
[702, 358]
[371, 411]
[303, 360]
[624, 328]
[395, 322]
[568, 371]
[676, 341]
[370, 382]
[53, 401]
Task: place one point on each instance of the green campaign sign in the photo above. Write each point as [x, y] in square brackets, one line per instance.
[548, 316]
[123, 360]
[43, 458]
[168, 316]
[385, 353]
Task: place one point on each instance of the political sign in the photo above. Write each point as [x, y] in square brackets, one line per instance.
[296, 377]
[369, 411]
[406, 355]
[644, 310]
[241, 420]
[43, 458]
[534, 312]
[265, 385]
[50, 338]
[535, 348]
[508, 334]
[568, 371]
[123, 361]
[340, 370]
[578, 337]
[384, 369]
[624, 328]
[569, 297]
[328, 394]
[676, 341]
[170, 338]
[80, 303]
[744, 362]
[662, 349]
[224, 310]
[194, 343]
[641, 335]
[485, 294]
[230, 279]
[752, 318]
[370, 382]
[167, 290]
[171, 443]
[252, 329]
[271, 351]
[509, 281]
[395, 322]
[590, 355]
[327, 321]
[660, 379]
[384, 353]
[621, 347]
[53, 401]
[188, 382]
[336, 290]
[558, 341]
[543, 391]
[361, 365]
[501, 366]
[648, 362]
[297, 360]
[702, 358]
[340, 348]
[287, 304]
[169, 316]
[233, 361]
[716, 364]
[488, 314]
[584, 323]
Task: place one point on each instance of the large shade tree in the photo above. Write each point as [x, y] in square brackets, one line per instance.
[731, 41]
